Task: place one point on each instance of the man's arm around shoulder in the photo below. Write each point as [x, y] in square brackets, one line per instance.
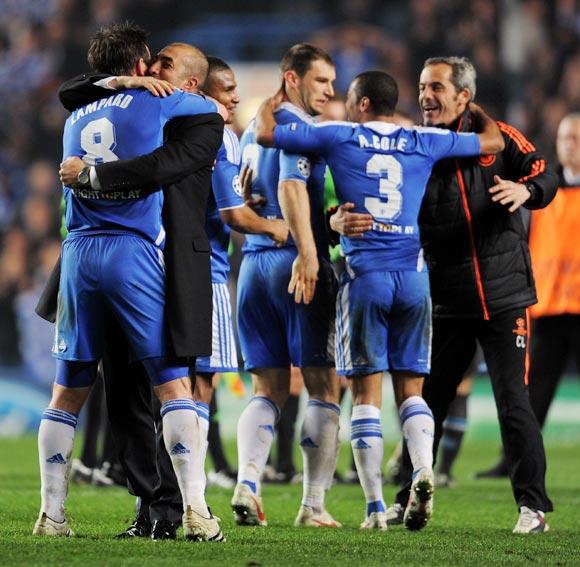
[192, 143]
[82, 90]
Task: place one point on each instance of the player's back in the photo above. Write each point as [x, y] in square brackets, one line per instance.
[121, 126]
[270, 166]
[383, 169]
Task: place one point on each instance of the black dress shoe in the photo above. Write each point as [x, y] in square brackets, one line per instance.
[141, 527]
[163, 529]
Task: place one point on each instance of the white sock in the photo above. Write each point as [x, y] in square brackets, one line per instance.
[336, 449]
[319, 437]
[55, 443]
[181, 432]
[418, 430]
[367, 447]
[202, 410]
[255, 435]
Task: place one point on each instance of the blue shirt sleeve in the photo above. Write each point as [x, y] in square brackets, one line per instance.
[225, 180]
[442, 144]
[305, 138]
[301, 138]
[181, 103]
[294, 167]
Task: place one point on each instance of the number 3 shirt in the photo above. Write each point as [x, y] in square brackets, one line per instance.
[383, 169]
[121, 126]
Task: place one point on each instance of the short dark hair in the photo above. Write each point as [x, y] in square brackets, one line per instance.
[116, 48]
[381, 90]
[299, 58]
[216, 64]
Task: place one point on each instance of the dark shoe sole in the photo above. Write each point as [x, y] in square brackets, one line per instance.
[243, 516]
[417, 519]
[218, 538]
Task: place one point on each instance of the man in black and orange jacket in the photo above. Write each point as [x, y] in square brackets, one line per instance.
[474, 227]
[556, 259]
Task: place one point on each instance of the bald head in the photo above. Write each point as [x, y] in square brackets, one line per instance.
[568, 143]
[194, 60]
[183, 65]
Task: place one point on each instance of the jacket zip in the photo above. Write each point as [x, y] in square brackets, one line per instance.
[478, 279]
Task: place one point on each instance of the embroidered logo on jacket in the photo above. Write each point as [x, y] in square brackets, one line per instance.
[486, 161]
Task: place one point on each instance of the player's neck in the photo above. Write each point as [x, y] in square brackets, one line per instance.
[370, 117]
[295, 99]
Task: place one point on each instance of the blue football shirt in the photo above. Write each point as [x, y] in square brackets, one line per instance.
[226, 194]
[270, 166]
[121, 126]
[383, 169]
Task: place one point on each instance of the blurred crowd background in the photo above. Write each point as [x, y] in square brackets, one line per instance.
[526, 53]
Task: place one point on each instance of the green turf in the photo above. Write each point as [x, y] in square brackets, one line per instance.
[471, 525]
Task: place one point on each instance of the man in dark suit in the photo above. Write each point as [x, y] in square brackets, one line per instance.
[183, 166]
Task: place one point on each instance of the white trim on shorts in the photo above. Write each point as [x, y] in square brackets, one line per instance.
[224, 355]
[343, 355]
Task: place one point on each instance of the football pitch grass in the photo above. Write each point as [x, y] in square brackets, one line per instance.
[471, 524]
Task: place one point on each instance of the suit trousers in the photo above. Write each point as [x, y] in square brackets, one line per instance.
[136, 428]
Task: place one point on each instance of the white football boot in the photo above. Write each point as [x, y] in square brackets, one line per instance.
[395, 514]
[309, 518]
[247, 507]
[375, 521]
[198, 528]
[46, 526]
[531, 522]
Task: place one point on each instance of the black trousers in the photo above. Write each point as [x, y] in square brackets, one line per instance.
[555, 340]
[96, 423]
[504, 341]
[137, 433]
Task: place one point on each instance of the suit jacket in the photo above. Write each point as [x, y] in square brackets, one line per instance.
[183, 166]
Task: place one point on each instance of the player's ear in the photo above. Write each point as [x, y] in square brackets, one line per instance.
[291, 78]
[191, 85]
[141, 67]
[364, 104]
[464, 96]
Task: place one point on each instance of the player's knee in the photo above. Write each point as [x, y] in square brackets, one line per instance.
[272, 383]
[203, 389]
[367, 390]
[173, 390]
[277, 395]
[407, 385]
[72, 385]
[322, 384]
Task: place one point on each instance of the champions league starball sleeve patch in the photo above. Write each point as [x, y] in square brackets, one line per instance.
[237, 185]
[303, 166]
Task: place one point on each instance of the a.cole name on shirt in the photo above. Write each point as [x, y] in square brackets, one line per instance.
[382, 143]
[396, 228]
[120, 100]
[110, 195]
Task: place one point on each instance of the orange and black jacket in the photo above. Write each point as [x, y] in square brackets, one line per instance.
[477, 251]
